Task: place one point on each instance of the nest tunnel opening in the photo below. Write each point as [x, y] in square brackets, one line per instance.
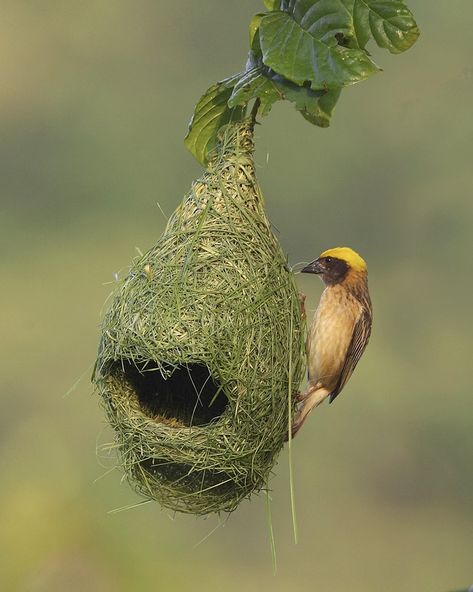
[184, 396]
[187, 479]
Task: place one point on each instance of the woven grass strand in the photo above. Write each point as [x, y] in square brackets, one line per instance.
[214, 294]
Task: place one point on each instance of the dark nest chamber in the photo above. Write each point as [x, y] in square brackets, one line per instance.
[189, 396]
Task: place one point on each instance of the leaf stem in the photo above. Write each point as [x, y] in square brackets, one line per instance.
[254, 110]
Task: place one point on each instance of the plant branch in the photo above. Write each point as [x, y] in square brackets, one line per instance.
[254, 110]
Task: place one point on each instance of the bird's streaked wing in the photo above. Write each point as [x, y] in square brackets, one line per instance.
[359, 340]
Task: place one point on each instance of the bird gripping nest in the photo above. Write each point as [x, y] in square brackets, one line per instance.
[203, 344]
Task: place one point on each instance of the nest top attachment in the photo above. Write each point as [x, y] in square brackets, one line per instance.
[203, 344]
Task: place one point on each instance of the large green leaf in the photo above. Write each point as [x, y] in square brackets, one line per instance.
[315, 105]
[390, 23]
[303, 51]
[211, 112]
[303, 44]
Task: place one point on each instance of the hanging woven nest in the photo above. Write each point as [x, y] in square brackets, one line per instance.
[203, 345]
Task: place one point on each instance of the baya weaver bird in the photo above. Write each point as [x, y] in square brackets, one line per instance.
[340, 329]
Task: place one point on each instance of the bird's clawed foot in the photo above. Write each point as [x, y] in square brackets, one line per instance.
[299, 397]
[313, 396]
[302, 298]
[296, 426]
[299, 418]
[298, 421]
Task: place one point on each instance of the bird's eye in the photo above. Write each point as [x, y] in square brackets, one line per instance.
[328, 260]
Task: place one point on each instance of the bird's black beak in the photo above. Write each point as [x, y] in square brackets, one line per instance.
[314, 267]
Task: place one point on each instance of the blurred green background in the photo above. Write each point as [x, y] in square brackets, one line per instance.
[94, 104]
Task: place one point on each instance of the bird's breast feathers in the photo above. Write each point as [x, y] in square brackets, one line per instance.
[330, 335]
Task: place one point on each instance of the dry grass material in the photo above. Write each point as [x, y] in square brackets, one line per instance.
[201, 344]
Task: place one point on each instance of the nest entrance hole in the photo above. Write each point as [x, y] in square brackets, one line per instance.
[189, 396]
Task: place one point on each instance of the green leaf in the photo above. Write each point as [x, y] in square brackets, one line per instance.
[211, 113]
[303, 45]
[272, 4]
[254, 84]
[304, 51]
[315, 105]
[390, 22]
[319, 111]
[254, 33]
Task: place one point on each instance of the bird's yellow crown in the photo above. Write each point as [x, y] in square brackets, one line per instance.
[348, 255]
